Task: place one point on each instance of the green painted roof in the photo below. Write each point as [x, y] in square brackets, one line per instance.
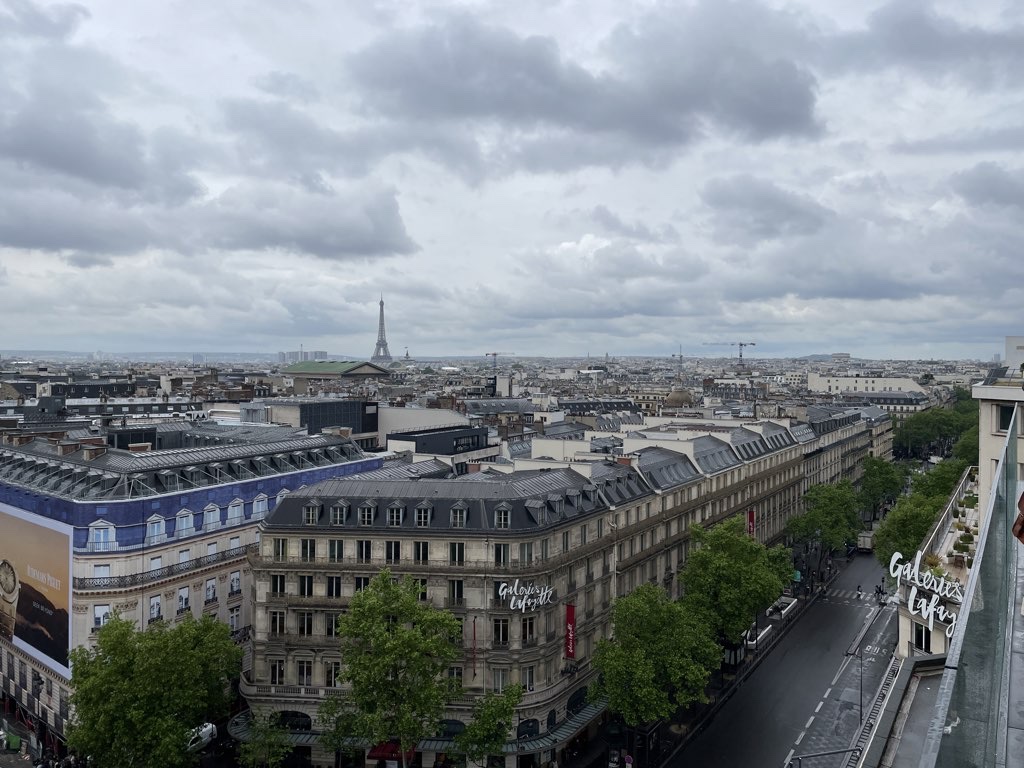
[325, 366]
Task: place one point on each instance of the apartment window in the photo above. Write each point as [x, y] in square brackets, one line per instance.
[1005, 416]
[183, 523]
[363, 550]
[336, 550]
[304, 668]
[156, 562]
[393, 551]
[395, 515]
[277, 583]
[306, 585]
[528, 630]
[184, 555]
[502, 518]
[421, 551]
[455, 596]
[100, 615]
[565, 541]
[332, 671]
[500, 679]
[922, 637]
[331, 624]
[235, 509]
[600, 527]
[304, 621]
[456, 553]
[501, 555]
[500, 627]
[101, 571]
[155, 529]
[362, 582]
[182, 599]
[154, 607]
[235, 583]
[101, 538]
[259, 507]
[583, 535]
[307, 548]
[277, 622]
[234, 618]
[280, 549]
[366, 515]
[334, 586]
[423, 517]
[338, 514]
[211, 517]
[526, 552]
[211, 549]
[545, 549]
[458, 517]
[210, 590]
[455, 673]
[276, 671]
[234, 542]
[309, 515]
[423, 590]
[526, 677]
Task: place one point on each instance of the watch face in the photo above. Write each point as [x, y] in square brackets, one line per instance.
[8, 578]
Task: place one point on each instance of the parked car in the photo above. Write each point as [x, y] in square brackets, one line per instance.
[200, 737]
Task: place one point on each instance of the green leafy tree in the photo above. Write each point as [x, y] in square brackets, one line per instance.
[488, 731]
[730, 577]
[138, 694]
[906, 525]
[397, 650]
[268, 743]
[882, 483]
[335, 717]
[940, 481]
[661, 656]
[966, 448]
[830, 516]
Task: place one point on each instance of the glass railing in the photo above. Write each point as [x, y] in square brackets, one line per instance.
[970, 720]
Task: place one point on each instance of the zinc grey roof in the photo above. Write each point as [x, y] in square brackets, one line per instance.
[665, 468]
[493, 405]
[565, 429]
[406, 470]
[713, 455]
[802, 432]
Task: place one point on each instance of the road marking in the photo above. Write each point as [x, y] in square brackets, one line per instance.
[800, 737]
[827, 693]
[817, 709]
[789, 757]
[811, 720]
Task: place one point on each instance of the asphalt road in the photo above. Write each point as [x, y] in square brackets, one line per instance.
[785, 703]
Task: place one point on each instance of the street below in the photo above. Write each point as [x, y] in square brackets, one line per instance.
[789, 705]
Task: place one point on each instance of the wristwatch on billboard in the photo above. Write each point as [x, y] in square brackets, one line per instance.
[10, 585]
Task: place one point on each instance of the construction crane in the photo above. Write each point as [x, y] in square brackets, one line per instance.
[740, 344]
[494, 357]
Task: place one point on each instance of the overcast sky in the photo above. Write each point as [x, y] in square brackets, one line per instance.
[537, 177]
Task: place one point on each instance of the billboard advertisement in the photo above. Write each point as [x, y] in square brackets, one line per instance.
[35, 586]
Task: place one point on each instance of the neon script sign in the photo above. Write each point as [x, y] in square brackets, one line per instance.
[525, 596]
[940, 587]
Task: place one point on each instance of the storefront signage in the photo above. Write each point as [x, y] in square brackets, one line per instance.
[525, 596]
[570, 631]
[941, 588]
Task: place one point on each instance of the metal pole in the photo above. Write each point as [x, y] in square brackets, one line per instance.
[860, 700]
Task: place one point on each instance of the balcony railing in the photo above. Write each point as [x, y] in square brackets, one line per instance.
[158, 574]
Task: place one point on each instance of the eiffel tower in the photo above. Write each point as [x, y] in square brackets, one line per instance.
[380, 352]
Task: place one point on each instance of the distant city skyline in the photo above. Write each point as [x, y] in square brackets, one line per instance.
[615, 177]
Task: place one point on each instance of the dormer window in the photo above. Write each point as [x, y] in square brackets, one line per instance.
[396, 514]
[366, 514]
[502, 517]
[338, 513]
[310, 513]
[423, 514]
[458, 519]
[183, 524]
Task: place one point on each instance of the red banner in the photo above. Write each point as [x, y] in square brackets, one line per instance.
[570, 631]
[750, 522]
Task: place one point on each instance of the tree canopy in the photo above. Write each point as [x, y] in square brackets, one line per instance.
[730, 576]
[268, 744]
[830, 516]
[660, 658]
[138, 694]
[396, 652]
[487, 732]
[934, 431]
[882, 483]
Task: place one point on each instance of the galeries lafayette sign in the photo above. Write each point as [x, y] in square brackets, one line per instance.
[525, 596]
[928, 607]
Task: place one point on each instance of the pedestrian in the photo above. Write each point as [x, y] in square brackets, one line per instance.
[859, 593]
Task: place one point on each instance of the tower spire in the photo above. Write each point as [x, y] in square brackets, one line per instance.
[380, 352]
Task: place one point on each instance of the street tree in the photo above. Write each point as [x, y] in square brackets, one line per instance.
[268, 743]
[881, 484]
[138, 693]
[396, 651]
[491, 722]
[906, 525]
[830, 516]
[660, 658]
[730, 576]
[335, 718]
[966, 448]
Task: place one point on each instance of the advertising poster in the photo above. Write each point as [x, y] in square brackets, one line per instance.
[35, 586]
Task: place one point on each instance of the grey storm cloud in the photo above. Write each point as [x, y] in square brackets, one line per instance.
[288, 86]
[462, 70]
[748, 208]
[26, 19]
[990, 183]
[637, 231]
